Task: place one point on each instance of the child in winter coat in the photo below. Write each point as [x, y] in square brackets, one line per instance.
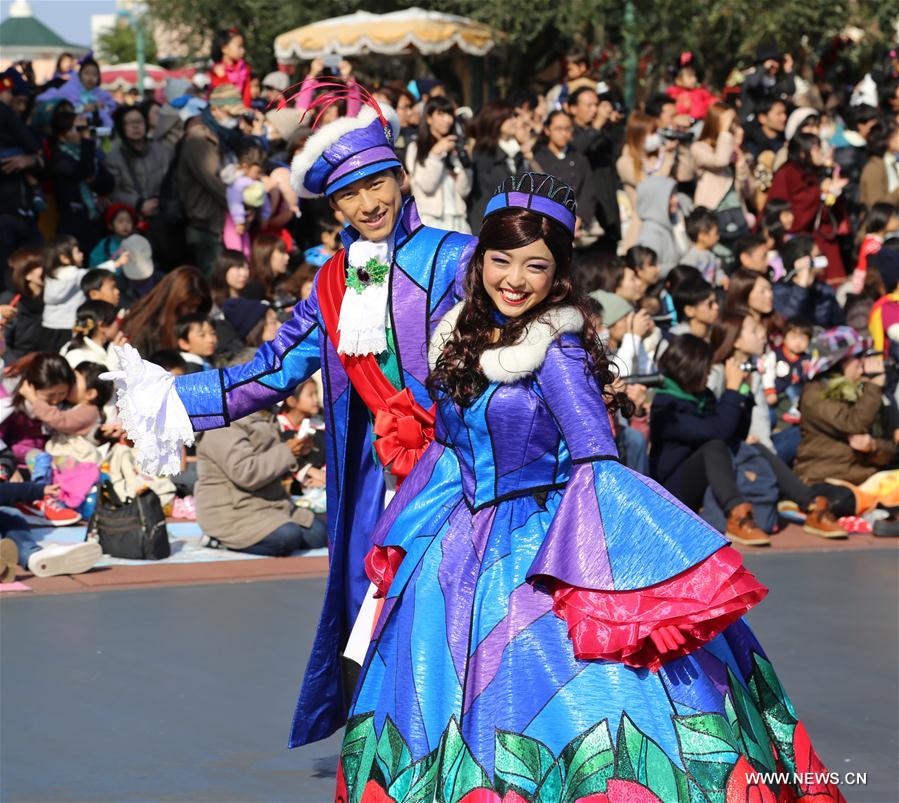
[96, 329]
[63, 271]
[662, 227]
[882, 222]
[120, 220]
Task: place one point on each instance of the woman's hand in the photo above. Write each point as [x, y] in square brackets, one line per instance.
[27, 391]
[300, 446]
[51, 490]
[314, 478]
[874, 369]
[7, 312]
[727, 119]
[112, 431]
[734, 375]
[637, 394]
[345, 69]
[149, 207]
[315, 67]
[640, 323]
[805, 272]
[862, 443]
[445, 145]
[834, 185]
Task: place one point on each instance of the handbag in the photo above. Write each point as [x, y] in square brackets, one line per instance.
[732, 221]
[134, 529]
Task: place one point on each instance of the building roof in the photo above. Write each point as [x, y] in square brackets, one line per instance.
[22, 30]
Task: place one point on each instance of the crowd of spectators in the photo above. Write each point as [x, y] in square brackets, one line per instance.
[741, 243]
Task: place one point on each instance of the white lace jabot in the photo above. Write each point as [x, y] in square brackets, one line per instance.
[152, 413]
[363, 315]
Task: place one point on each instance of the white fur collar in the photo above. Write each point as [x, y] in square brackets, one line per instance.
[329, 134]
[510, 363]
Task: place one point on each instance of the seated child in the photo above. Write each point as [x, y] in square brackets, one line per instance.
[882, 222]
[100, 285]
[96, 329]
[751, 253]
[328, 246]
[696, 304]
[776, 224]
[62, 289]
[703, 231]
[32, 416]
[298, 417]
[197, 340]
[120, 221]
[784, 370]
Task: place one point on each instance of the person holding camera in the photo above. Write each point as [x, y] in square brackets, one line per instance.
[79, 178]
[840, 407]
[696, 439]
[645, 153]
[725, 182]
[814, 191]
[803, 293]
[439, 168]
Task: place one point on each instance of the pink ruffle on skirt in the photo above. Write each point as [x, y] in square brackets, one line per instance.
[616, 625]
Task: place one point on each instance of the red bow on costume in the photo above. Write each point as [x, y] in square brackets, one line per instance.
[404, 429]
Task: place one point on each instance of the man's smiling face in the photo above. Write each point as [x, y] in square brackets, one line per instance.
[372, 204]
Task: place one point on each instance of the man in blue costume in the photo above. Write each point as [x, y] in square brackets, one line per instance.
[366, 325]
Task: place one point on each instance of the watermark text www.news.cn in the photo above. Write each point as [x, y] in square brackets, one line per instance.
[807, 779]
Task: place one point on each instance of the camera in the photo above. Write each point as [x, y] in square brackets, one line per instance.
[331, 62]
[679, 136]
[459, 151]
[649, 380]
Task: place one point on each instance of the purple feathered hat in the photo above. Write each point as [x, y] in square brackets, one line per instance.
[346, 149]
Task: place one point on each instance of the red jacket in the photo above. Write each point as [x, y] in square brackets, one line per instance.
[801, 188]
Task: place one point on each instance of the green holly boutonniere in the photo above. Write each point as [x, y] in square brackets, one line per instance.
[371, 273]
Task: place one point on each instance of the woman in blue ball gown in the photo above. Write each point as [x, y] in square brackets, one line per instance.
[555, 626]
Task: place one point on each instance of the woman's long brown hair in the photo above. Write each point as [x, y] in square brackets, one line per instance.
[261, 260]
[458, 373]
[150, 323]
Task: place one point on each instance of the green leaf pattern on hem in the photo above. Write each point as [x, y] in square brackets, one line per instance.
[758, 724]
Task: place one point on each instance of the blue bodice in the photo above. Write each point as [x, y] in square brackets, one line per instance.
[517, 438]
[507, 443]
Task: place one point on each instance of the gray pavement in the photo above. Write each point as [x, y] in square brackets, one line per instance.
[165, 694]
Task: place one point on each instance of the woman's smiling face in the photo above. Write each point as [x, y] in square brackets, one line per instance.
[519, 279]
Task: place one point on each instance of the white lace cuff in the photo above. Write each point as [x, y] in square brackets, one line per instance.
[151, 412]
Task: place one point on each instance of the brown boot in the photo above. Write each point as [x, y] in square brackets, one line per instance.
[741, 527]
[819, 520]
[9, 559]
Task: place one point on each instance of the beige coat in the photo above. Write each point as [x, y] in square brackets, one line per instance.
[714, 170]
[427, 181]
[873, 184]
[239, 495]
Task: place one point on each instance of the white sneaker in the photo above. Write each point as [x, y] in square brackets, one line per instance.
[64, 559]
